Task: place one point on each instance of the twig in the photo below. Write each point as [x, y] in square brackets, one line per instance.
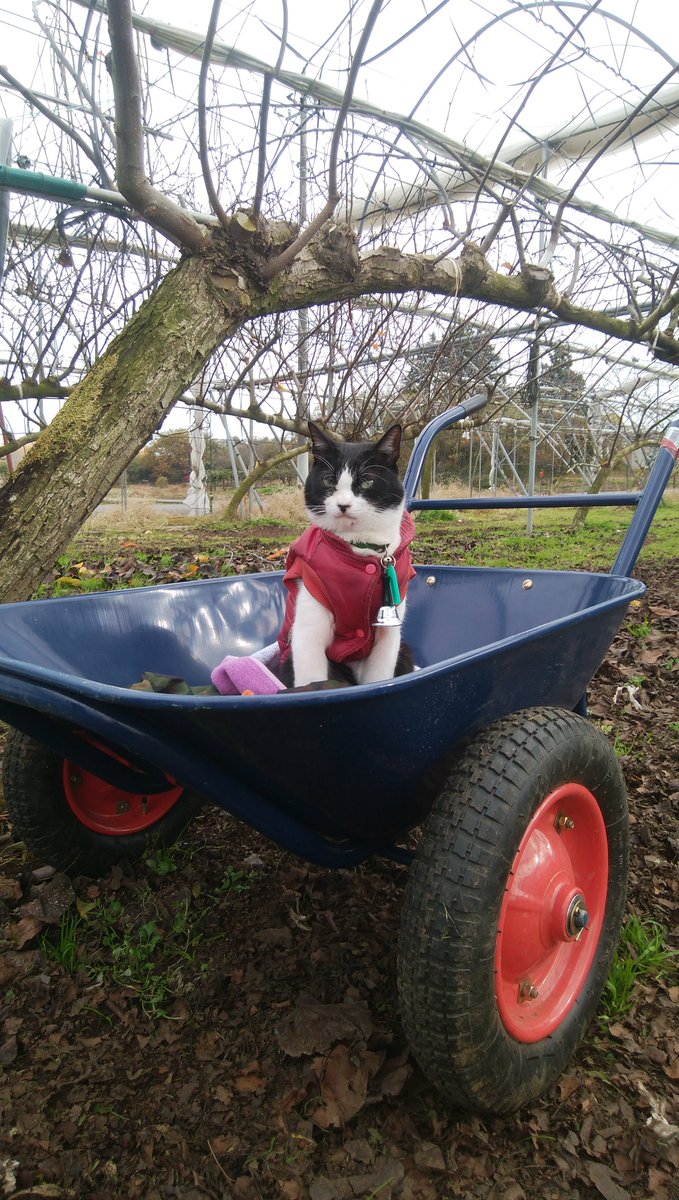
[152, 205]
[287, 257]
[202, 124]
[219, 1165]
[603, 149]
[264, 115]
[51, 116]
[568, 290]
[518, 238]
[668, 302]
[83, 92]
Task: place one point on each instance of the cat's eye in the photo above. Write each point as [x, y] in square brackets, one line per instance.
[329, 480]
[366, 484]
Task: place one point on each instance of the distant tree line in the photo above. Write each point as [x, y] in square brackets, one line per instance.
[167, 459]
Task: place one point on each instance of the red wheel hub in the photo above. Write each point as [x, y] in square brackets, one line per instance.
[110, 810]
[552, 914]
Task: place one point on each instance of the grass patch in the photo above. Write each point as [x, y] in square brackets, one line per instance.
[64, 945]
[642, 957]
[500, 539]
[485, 538]
[129, 944]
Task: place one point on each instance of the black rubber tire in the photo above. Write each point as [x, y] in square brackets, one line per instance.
[33, 789]
[454, 898]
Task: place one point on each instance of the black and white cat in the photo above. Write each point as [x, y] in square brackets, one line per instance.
[338, 571]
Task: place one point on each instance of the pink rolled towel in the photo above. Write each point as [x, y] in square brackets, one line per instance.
[244, 676]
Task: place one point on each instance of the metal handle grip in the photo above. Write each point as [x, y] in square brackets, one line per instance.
[411, 479]
[661, 473]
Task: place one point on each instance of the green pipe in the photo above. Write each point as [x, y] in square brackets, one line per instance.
[31, 183]
[36, 184]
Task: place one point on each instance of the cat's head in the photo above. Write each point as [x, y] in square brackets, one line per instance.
[354, 486]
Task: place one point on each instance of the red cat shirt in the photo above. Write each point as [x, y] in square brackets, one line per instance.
[350, 585]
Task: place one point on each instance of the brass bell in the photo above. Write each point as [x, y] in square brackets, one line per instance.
[387, 617]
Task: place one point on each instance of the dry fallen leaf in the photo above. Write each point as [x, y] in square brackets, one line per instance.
[602, 1178]
[8, 1051]
[249, 1083]
[344, 1085]
[312, 1028]
[25, 930]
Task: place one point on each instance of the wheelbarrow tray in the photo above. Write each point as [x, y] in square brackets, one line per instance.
[331, 774]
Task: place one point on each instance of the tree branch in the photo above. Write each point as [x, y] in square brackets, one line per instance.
[13, 444]
[284, 260]
[188, 44]
[258, 472]
[33, 389]
[152, 205]
[264, 116]
[215, 203]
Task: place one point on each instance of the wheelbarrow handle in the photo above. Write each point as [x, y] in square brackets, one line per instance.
[411, 479]
[649, 500]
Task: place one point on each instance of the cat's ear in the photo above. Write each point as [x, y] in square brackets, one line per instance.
[389, 446]
[320, 442]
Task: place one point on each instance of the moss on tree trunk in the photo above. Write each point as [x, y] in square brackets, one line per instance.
[108, 416]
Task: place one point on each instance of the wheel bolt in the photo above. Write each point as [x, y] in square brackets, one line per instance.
[75, 779]
[563, 822]
[527, 991]
[123, 806]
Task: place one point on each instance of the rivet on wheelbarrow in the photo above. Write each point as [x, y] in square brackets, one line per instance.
[563, 822]
[431, 580]
[527, 585]
[527, 991]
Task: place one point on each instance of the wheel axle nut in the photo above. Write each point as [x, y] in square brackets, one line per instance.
[123, 806]
[563, 822]
[578, 918]
[527, 991]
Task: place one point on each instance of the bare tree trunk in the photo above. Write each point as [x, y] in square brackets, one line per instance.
[605, 469]
[581, 514]
[107, 418]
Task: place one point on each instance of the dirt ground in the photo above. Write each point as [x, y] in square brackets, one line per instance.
[224, 1021]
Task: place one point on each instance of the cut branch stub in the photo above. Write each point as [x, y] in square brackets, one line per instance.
[539, 283]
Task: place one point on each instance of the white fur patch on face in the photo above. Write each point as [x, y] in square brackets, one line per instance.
[343, 496]
[354, 518]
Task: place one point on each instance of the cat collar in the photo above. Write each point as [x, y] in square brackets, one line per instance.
[392, 592]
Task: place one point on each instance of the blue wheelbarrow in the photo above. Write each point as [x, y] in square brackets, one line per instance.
[516, 890]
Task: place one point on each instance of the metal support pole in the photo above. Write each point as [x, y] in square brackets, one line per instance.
[533, 389]
[5, 155]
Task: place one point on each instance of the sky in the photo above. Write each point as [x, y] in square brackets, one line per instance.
[473, 101]
[481, 99]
